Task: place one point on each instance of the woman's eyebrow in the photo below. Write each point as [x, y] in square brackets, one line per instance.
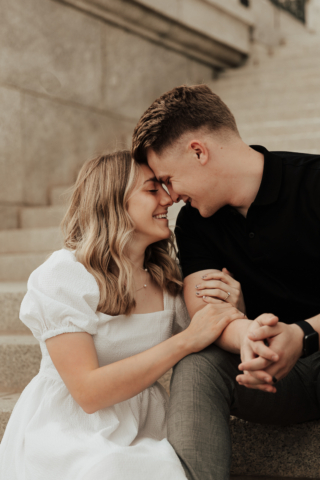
[153, 179]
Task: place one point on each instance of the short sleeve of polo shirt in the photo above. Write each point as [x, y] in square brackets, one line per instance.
[195, 251]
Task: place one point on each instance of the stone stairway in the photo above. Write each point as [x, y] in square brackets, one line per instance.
[276, 102]
[275, 97]
[21, 251]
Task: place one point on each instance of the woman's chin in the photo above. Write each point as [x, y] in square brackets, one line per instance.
[163, 235]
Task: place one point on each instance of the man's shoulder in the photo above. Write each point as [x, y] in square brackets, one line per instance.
[299, 159]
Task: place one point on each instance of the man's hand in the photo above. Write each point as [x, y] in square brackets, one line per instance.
[284, 340]
[256, 352]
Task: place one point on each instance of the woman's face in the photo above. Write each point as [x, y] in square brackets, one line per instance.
[148, 208]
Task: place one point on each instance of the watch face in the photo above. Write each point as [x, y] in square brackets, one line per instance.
[311, 344]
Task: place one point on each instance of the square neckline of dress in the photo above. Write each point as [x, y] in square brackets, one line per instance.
[165, 309]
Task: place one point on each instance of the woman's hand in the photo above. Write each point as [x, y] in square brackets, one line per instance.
[217, 286]
[208, 324]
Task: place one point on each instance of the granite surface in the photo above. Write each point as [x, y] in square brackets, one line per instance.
[275, 451]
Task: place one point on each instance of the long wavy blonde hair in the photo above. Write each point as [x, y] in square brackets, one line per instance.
[98, 227]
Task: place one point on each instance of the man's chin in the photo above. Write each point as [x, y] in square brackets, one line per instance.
[205, 212]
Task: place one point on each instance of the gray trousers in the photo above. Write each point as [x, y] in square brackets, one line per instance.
[204, 393]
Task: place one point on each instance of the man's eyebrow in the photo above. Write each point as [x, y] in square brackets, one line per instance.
[152, 179]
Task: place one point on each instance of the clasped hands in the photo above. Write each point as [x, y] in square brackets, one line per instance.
[269, 350]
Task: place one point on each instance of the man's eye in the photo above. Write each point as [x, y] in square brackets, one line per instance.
[153, 191]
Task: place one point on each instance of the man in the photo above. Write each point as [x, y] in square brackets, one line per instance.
[256, 213]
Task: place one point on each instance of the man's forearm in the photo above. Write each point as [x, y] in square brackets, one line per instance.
[231, 338]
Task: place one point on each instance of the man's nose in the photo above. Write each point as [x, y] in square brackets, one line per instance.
[175, 197]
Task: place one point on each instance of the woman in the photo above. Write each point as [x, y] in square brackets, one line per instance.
[104, 309]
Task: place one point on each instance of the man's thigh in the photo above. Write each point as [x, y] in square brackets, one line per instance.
[206, 381]
[295, 401]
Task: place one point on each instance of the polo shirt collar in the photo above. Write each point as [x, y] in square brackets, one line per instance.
[271, 178]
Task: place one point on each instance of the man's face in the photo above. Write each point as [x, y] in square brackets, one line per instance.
[186, 178]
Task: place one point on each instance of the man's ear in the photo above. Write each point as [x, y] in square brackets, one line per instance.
[200, 151]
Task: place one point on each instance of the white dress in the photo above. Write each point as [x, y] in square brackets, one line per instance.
[49, 436]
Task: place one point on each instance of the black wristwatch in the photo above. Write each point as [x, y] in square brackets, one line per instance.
[310, 339]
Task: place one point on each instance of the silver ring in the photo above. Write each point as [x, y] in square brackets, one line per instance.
[228, 295]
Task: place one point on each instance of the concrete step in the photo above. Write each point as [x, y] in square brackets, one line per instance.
[275, 451]
[282, 128]
[11, 296]
[17, 267]
[34, 217]
[290, 142]
[273, 65]
[256, 76]
[7, 403]
[271, 113]
[264, 97]
[255, 448]
[30, 240]
[267, 86]
[20, 358]
[60, 195]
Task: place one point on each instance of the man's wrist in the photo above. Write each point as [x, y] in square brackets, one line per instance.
[299, 336]
[243, 327]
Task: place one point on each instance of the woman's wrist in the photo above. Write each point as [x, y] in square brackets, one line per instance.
[234, 335]
[184, 343]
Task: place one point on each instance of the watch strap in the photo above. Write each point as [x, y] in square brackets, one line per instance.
[306, 327]
[310, 339]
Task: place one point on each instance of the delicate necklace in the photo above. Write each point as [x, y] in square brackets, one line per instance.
[145, 285]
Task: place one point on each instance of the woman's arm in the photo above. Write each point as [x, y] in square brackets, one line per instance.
[231, 338]
[93, 387]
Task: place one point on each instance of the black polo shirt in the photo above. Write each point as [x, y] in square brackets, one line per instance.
[274, 252]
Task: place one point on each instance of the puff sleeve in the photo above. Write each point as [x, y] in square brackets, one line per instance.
[62, 297]
[181, 316]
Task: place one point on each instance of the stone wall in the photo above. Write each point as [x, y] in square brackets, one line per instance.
[75, 76]
[273, 24]
[313, 15]
[71, 85]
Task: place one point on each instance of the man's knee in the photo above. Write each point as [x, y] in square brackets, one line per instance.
[204, 370]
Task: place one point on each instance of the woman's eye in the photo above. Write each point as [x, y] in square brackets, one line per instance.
[153, 191]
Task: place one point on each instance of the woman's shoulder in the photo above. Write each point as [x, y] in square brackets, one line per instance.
[56, 259]
[62, 297]
[60, 262]
[61, 274]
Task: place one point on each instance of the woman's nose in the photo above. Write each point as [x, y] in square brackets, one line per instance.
[166, 199]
